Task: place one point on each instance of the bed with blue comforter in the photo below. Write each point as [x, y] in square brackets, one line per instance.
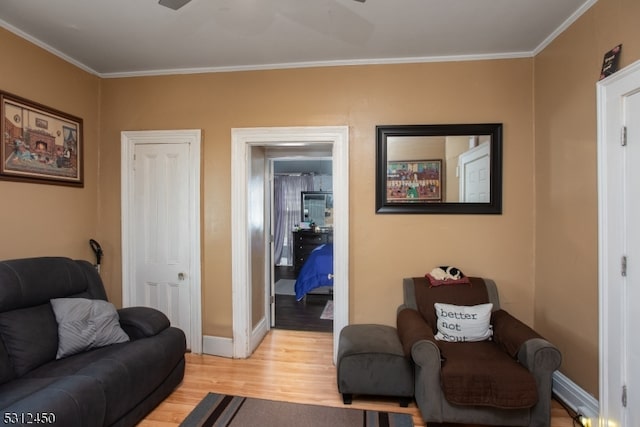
[317, 271]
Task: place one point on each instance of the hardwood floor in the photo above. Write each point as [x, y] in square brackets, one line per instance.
[300, 315]
[293, 366]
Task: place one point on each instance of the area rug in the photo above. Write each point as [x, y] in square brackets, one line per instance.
[285, 287]
[219, 410]
[327, 313]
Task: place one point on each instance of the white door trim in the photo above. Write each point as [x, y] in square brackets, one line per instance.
[128, 141]
[472, 155]
[611, 238]
[241, 141]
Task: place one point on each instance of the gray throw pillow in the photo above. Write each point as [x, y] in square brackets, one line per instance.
[84, 324]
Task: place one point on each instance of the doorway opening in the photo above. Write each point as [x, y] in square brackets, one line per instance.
[302, 185]
[251, 269]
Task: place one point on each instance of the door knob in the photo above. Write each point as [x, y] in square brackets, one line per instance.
[181, 276]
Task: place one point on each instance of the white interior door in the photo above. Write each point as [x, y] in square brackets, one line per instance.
[475, 184]
[161, 229]
[631, 309]
[619, 246]
[162, 267]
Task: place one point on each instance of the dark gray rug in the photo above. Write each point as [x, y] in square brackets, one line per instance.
[221, 410]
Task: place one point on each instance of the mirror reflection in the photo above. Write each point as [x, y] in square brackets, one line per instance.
[439, 168]
[455, 168]
[317, 208]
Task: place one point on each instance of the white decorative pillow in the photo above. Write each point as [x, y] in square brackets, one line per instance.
[460, 323]
[84, 324]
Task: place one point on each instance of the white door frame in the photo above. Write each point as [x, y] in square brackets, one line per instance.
[242, 139]
[128, 141]
[611, 238]
[472, 155]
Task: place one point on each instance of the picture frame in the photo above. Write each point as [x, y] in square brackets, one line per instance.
[465, 150]
[40, 144]
[414, 181]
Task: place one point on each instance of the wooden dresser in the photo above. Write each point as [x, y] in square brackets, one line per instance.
[305, 241]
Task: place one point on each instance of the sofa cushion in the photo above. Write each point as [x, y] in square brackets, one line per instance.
[133, 369]
[482, 374]
[21, 387]
[84, 324]
[136, 369]
[458, 323]
[6, 370]
[30, 337]
[68, 401]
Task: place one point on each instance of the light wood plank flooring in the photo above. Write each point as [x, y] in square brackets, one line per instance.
[294, 366]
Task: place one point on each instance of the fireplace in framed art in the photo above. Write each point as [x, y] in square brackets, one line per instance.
[40, 144]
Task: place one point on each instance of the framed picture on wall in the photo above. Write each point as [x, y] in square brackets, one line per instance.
[414, 181]
[40, 144]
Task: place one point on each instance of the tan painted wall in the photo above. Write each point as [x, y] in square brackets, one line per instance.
[39, 219]
[384, 248]
[566, 260]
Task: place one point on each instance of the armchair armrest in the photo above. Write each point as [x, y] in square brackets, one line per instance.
[141, 322]
[535, 353]
[412, 328]
[509, 332]
[539, 356]
[418, 340]
[519, 340]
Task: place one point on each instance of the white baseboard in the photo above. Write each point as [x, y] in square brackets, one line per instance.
[223, 347]
[258, 334]
[574, 396]
[217, 346]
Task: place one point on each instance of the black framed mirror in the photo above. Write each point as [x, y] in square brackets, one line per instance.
[439, 169]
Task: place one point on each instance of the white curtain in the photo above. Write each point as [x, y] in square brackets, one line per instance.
[286, 199]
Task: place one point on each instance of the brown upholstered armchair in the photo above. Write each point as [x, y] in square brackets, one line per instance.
[505, 380]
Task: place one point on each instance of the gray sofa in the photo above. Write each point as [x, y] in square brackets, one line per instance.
[110, 385]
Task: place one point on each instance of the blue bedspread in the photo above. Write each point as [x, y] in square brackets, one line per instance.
[317, 271]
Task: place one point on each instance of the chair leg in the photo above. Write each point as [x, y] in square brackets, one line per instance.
[404, 402]
[347, 398]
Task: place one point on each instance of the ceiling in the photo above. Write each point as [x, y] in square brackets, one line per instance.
[114, 38]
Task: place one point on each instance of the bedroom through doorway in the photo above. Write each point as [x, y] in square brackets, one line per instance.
[302, 186]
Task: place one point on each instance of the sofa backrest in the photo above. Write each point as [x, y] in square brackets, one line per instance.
[421, 296]
[30, 282]
[28, 327]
